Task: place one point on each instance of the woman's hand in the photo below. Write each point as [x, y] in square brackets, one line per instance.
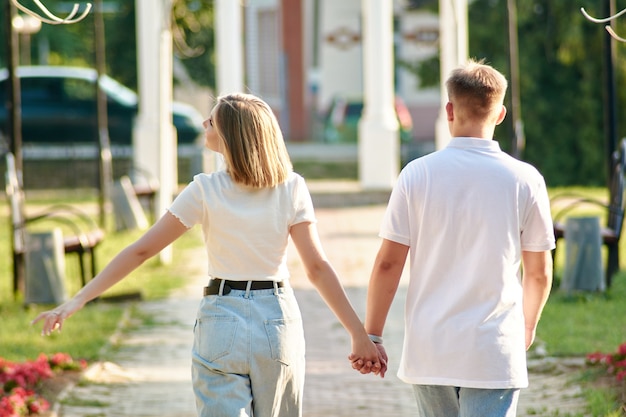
[371, 361]
[53, 319]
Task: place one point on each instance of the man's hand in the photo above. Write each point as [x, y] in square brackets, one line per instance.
[366, 367]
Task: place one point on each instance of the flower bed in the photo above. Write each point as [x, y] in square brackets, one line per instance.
[615, 367]
[19, 382]
[615, 363]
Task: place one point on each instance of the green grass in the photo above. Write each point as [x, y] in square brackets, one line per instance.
[603, 402]
[314, 170]
[576, 324]
[585, 323]
[581, 323]
[88, 331]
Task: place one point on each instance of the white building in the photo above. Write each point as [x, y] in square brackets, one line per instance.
[301, 54]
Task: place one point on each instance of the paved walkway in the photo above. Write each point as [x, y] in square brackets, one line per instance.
[149, 375]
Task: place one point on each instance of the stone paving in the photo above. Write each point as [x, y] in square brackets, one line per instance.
[150, 371]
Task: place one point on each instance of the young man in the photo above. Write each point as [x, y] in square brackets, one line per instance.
[469, 216]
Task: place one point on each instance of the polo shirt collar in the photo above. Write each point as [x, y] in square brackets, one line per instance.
[475, 143]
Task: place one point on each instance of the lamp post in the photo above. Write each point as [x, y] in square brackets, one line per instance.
[25, 26]
[610, 98]
[13, 102]
[14, 125]
[105, 160]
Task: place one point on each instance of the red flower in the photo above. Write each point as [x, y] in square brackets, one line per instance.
[620, 364]
[6, 408]
[63, 361]
[595, 357]
[614, 363]
[37, 405]
[17, 381]
[59, 359]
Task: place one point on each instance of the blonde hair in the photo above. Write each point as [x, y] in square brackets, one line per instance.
[255, 152]
[477, 90]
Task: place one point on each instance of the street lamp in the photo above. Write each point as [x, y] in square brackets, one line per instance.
[25, 26]
[609, 93]
[13, 101]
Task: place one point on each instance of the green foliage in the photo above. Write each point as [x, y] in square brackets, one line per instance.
[194, 38]
[428, 71]
[192, 29]
[561, 82]
[75, 44]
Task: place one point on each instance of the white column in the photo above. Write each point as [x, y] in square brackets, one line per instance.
[230, 67]
[340, 51]
[154, 141]
[229, 46]
[453, 41]
[379, 142]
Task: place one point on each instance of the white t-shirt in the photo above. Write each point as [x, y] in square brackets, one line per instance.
[467, 212]
[246, 230]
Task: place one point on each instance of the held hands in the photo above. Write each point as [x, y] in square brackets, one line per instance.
[53, 319]
[376, 364]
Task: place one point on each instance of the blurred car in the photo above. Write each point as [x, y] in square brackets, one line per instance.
[342, 120]
[59, 107]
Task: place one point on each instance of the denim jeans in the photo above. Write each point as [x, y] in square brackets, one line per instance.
[445, 401]
[248, 355]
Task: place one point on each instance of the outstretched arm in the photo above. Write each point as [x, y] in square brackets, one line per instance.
[536, 283]
[324, 278]
[166, 230]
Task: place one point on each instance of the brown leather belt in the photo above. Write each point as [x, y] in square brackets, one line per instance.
[214, 286]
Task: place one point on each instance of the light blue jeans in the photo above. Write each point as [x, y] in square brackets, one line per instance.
[248, 355]
[445, 401]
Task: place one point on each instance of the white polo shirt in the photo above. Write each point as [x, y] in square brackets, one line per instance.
[245, 230]
[467, 212]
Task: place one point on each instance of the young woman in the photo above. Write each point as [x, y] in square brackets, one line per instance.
[248, 353]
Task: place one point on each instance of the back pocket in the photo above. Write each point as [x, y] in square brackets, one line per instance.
[286, 339]
[214, 336]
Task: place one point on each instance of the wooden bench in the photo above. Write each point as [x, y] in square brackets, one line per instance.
[81, 235]
[614, 209]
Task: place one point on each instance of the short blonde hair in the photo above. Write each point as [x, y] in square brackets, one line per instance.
[255, 152]
[477, 90]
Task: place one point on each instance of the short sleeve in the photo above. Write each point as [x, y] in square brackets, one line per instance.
[303, 204]
[396, 218]
[188, 206]
[537, 231]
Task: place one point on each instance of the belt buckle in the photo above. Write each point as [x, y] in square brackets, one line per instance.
[214, 287]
